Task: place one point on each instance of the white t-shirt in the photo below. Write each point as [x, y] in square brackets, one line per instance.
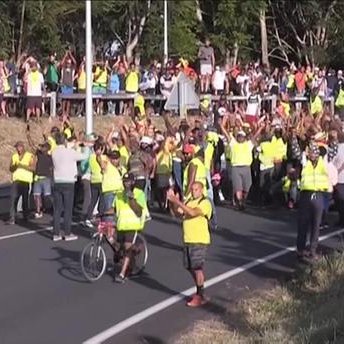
[35, 82]
[253, 105]
[219, 79]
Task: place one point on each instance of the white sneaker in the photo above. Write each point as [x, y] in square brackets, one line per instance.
[70, 237]
[88, 224]
[38, 215]
[57, 237]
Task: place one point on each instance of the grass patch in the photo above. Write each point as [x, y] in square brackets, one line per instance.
[309, 309]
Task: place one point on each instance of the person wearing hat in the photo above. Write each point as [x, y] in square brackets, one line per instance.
[314, 183]
[22, 167]
[131, 211]
[241, 159]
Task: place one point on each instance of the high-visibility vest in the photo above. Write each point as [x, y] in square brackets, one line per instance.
[96, 171]
[82, 80]
[340, 99]
[139, 102]
[112, 179]
[314, 178]
[127, 220]
[101, 79]
[279, 147]
[291, 81]
[241, 154]
[164, 163]
[21, 174]
[208, 155]
[52, 143]
[132, 82]
[266, 154]
[201, 175]
[316, 106]
[287, 184]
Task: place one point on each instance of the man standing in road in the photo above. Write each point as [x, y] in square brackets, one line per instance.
[196, 213]
[22, 167]
[65, 173]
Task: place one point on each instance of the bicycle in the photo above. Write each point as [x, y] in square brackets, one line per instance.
[93, 257]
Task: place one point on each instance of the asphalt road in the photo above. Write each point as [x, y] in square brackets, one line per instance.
[45, 299]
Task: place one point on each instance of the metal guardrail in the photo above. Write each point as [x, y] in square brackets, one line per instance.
[54, 97]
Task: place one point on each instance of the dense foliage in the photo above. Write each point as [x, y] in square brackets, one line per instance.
[301, 31]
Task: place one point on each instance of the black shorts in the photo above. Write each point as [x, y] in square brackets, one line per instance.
[127, 237]
[194, 256]
[33, 103]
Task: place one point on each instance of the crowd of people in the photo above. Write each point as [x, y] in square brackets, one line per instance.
[67, 76]
[229, 153]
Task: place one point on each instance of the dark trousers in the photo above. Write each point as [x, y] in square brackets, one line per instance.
[340, 202]
[311, 207]
[63, 203]
[19, 189]
[86, 189]
[265, 183]
[96, 191]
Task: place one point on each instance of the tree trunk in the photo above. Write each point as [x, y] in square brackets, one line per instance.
[199, 12]
[235, 54]
[264, 38]
[20, 42]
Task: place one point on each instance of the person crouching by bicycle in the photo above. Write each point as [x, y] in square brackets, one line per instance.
[131, 209]
[196, 213]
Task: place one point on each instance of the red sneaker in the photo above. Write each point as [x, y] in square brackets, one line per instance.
[197, 301]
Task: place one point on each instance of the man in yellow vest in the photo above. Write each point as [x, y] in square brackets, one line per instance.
[266, 159]
[196, 213]
[314, 183]
[96, 181]
[22, 167]
[131, 210]
[112, 180]
[195, 171]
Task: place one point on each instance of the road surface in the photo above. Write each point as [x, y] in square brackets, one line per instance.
[45, 299]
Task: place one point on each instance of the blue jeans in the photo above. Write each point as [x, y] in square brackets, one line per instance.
[108, 198]
[177, 174]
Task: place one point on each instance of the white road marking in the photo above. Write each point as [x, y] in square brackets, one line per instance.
[48, 228]
[10, 236]
[125, 324]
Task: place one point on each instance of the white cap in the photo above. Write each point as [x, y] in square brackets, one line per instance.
[241, 132]
[115, 135]
[146, 140]
[222, 111]
[340, 72]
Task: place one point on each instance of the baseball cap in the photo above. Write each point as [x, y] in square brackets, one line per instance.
[146, 140]
[241, 133]
[188, 148]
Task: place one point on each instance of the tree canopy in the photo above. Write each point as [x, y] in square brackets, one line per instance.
[282, 31]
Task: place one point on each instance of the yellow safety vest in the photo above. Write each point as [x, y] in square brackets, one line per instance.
[126, 218]
[314, 178]
[279, 148]
[316, 106]
[286, 108]
[112, 179]
[208, 155]
[139, 102]
[68, 133]
[132, 82]
[266, 155]
[101, 80]
[241, 154]
[21, 174]
[164, 163]
[291, 81]
[201, 175]
[96, 171]
[52, 144]
[82, 81]
[287, 184]
[196, 229]
[340, 99]
[34, 78]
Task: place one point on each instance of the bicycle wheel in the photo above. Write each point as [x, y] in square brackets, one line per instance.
[140, 255]
[93, 261]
